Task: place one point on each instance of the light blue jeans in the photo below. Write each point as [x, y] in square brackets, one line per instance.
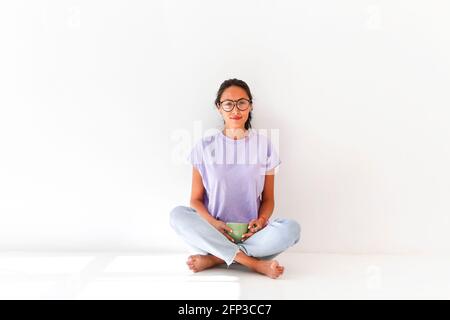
[276, 237]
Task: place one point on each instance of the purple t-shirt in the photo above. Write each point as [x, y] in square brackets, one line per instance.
[233, 173]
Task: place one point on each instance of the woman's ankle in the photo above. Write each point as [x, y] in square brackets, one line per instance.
[216, 259]
[247, 261]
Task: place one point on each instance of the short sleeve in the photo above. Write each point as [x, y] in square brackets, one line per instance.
[195, 156]
[273, 159]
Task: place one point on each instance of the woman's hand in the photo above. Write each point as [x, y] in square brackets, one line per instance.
[223, 228]
[254, 226]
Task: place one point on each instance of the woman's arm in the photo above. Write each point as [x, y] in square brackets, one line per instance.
[268, 198]
[266, 207]
[197, 193]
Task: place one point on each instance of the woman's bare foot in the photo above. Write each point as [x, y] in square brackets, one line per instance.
[270, 268]
[200, 262]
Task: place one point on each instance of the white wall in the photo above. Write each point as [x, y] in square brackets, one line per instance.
[94, 93]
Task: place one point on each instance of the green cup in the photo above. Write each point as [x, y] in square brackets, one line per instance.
[238, 230]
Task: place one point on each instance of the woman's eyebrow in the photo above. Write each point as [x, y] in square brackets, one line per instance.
[236, 99]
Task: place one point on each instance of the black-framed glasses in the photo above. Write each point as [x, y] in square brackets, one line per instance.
[242, 104]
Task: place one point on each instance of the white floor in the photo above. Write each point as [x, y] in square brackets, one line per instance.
[156, 276]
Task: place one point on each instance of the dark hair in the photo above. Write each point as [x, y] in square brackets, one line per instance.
[238, 83]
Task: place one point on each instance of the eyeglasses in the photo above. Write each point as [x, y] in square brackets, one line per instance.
[228, 105]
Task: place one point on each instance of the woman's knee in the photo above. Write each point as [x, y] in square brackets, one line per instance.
[177, 215]
[292, 229]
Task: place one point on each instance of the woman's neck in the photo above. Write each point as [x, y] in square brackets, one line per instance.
[235, 133]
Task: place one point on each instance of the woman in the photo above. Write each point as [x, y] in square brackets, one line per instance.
[233, 181]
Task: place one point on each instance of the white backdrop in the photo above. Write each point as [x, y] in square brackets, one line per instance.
[94, 94]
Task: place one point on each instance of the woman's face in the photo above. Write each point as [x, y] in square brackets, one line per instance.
[234, 119]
